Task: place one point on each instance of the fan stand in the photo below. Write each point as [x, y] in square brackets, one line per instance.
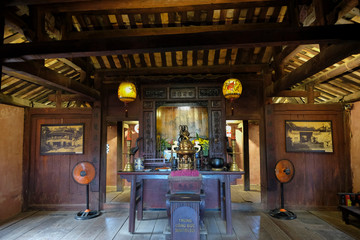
[284, 172]
[84, 173]
[87, 213]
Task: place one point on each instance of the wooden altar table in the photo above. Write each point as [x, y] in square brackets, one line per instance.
[136, 193]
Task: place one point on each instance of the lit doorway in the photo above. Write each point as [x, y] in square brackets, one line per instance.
[121, 137]
[243, 147]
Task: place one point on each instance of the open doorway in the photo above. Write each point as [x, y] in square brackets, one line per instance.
[121, 138]
[243, 147]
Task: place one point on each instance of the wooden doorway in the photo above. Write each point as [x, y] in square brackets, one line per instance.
[243, 138]
[121, 137]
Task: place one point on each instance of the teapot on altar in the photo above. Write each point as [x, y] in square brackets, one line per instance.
[186, 150]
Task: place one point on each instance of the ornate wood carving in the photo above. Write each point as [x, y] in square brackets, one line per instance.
[149, 137]
[209, 92]
[154, 93]
[216, 104]
[148, 105]
[216, 141]
[182, 93]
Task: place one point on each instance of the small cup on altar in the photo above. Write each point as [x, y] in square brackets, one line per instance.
[139, 164]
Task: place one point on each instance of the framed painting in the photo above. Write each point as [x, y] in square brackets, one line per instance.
[309, 136]
[61, 139]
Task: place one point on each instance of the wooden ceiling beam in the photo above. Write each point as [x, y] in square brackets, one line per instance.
[190, 78]
[69, 97]
[324, 59]
[15, 101]
[37, 73]
[354, 97]
[114, 33]
[178, 42]
[289, 93]
[340, 10]
[142, 5]
[284, 57]
[18, 25]
[217, 69]
[338, 70]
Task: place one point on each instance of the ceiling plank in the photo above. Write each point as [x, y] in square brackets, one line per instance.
[324, 59]
[37, 73]
[204, 40]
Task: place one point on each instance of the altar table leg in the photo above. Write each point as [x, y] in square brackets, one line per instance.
[132, 205]
[222, 200]
[141, 202]
[228, 205]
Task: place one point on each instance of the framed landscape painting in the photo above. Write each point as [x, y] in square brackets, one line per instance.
[62, 139]
[309, 136]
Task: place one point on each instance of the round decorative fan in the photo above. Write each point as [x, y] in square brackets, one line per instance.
[83, 173]
[284, 173]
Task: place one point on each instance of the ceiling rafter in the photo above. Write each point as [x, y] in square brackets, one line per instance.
[204, 40]
[37, 73]
[324, 59]
[20, 102]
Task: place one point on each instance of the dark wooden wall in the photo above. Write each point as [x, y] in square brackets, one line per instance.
[50, 184]
[318, 176]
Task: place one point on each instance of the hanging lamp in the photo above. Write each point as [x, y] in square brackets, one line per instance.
[127, 92]
[232, 88]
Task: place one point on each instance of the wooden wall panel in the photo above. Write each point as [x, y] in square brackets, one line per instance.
[11, 164]
[50, 182]
[318, 176]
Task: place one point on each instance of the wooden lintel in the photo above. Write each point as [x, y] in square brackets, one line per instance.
[69, 97]
[36, 73]
[289, 93]
[217, 69]
[178, 42]
[324, 59]
[190, 78]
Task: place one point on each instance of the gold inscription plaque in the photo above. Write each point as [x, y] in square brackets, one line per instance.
[185, 225]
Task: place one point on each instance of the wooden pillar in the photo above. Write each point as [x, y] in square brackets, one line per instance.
[246, 155]
[2, 29]
[38, 23]
[310, 94]
[58, 99]
[119, 185]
